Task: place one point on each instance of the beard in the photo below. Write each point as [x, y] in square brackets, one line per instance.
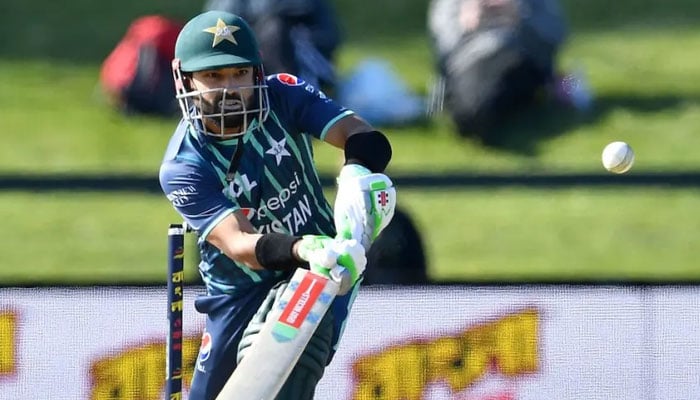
[233, 106]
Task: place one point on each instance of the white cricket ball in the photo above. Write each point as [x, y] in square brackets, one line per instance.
[618, 157]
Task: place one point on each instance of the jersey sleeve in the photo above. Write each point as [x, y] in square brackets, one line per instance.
[196, 194]
[307, 107]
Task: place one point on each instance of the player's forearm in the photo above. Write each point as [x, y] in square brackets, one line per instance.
[236, 237]
[238, 246]
[275, 251]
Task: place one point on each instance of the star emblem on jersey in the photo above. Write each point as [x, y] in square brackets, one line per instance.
[222, 32]
[278, 149]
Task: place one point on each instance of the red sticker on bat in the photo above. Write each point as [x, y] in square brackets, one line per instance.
[303, 300]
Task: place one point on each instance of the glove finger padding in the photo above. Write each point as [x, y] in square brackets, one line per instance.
[351, 256]
[324, 254]
[364, 206]
[318, 251]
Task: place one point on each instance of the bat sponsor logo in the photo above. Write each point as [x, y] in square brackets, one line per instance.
[299, 306]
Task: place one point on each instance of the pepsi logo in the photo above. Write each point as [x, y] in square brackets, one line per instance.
[205, 348]
[289, 79]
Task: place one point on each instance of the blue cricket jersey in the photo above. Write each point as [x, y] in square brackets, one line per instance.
[276, 183]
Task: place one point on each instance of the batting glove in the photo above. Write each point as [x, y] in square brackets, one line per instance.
[324, 254]
[364, 204]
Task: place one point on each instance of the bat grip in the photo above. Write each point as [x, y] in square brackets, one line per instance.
[337, 273]
[341, 276]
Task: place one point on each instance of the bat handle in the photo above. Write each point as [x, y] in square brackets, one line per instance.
[342, 277]
[338, 274]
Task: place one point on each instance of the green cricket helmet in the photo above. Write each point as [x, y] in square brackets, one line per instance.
[214, 40]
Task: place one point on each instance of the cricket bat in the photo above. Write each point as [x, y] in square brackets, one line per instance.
[286, 332]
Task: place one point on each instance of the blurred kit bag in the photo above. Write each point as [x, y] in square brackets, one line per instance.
[295, 36]
[137, 76]
[493, 56]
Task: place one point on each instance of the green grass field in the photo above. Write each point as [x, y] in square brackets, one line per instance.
[495, 235]
[635, 55]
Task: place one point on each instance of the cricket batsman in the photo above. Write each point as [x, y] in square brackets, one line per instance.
[239, 169]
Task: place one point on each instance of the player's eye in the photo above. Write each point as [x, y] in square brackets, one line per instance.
[211, 75]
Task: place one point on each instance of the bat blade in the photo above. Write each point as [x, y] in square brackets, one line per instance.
[282, 339]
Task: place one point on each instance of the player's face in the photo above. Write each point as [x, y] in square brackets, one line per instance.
[227, 95]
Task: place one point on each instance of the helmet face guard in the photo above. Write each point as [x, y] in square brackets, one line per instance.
[215, 40]
[228, 110]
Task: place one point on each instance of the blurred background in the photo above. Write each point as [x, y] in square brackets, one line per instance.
[80, 203]
[636, 60]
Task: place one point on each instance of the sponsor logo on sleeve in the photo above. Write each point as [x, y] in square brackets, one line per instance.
[289, 79]
[181, 196]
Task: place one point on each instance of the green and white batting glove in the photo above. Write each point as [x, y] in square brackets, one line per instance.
[364, 204]
[325, 254]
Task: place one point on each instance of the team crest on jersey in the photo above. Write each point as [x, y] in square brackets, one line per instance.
[278, 149]
[289, 79]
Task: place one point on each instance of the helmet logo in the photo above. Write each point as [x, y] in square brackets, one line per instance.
[222, 32]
